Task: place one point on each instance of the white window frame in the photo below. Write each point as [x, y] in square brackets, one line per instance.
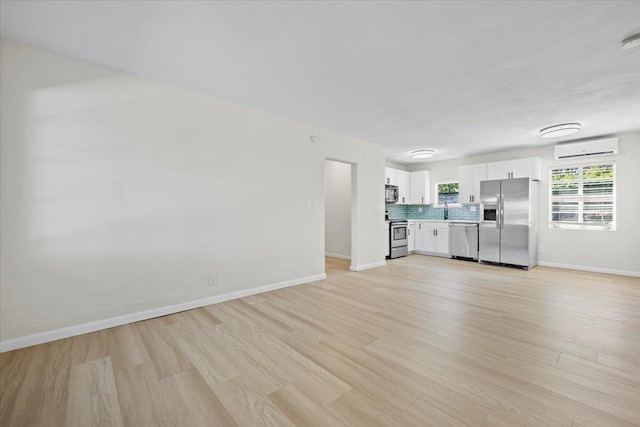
[578, 225]
[436, 198]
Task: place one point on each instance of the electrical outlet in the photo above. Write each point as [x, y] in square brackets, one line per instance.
[213, 279]
[472, 209]
[420, 209]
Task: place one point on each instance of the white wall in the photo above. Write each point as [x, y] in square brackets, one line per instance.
[615, 251]
[120, 194]
[337, 220]
[396, 166]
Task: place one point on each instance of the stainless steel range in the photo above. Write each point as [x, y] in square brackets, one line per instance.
[398, 238]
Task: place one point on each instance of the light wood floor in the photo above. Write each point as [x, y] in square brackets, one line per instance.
[336, 266]
[422, 341]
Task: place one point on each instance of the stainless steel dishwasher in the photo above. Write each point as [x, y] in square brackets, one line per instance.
[463, 240]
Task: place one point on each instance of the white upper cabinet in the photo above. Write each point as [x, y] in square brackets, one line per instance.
[498, 170]
[390, 176]
[526, 168]
[404, 184]
[401, 179]
[469, 178]
[420, 188]
[518, 168]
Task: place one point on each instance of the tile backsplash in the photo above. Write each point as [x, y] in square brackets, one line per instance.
[429, 212]
[396, 211]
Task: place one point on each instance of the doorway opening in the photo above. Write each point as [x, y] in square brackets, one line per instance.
[339, 211]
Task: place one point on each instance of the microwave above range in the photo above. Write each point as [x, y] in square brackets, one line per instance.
[391, 193]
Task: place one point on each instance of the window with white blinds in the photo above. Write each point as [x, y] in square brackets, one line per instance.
[583, 196]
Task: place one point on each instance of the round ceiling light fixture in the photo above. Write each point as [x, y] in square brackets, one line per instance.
[630, 42]
[560, 130]
[423, 154]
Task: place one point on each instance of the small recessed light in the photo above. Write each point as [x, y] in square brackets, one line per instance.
[560, 130]
[423, 154]
[630, 42]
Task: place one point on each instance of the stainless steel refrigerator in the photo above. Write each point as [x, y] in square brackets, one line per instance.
[508, 231]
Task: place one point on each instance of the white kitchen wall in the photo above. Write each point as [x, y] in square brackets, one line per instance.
[337, 220]
[396, 166]
[608, 251]
[120, 195]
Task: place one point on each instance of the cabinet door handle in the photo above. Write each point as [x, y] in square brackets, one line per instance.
[423, 200]
[403, 200]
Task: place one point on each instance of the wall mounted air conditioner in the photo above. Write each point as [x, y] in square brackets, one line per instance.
[596, 147]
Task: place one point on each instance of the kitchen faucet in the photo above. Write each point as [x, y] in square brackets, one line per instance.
[446, 211]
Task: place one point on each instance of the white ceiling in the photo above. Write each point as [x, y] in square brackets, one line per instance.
[458, 77]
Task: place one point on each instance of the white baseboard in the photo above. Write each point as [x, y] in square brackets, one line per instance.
[367, 266]
[591, 269]
[337, 255]
[431, 254]
[71, 331]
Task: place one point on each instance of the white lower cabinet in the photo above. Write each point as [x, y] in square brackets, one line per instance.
[442, 240]
[432, 238]
[411, 236]
[387, 249]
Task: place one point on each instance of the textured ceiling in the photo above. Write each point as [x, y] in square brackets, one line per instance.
[458, 77]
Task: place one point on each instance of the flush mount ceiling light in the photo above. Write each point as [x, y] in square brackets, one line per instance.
[560, 130]
[630, 42]
[423, 154]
